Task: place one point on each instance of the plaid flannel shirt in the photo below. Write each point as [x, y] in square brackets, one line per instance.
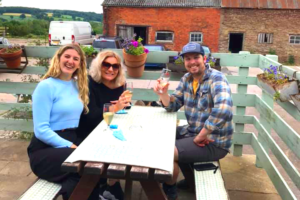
[210, 107]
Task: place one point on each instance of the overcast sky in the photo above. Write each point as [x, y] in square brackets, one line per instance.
[79, 5]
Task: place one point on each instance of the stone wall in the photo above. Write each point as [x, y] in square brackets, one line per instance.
[251, 22]
[181, 21]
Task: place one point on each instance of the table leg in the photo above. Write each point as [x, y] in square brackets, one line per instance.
[85, 187]
[153, 190]
[128, 189]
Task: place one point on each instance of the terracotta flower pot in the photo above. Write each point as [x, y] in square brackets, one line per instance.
[135, 64]
[12, 60]
[285, 89]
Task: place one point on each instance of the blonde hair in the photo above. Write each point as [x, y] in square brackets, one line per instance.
[95, 70]
[80, 74]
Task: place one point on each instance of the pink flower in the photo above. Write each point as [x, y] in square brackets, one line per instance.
[146, 50]
[135, 44]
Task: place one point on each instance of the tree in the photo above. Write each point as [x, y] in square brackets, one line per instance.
[11, 17]
[23, 16]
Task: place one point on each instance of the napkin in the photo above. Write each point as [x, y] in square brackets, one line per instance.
[119, 135]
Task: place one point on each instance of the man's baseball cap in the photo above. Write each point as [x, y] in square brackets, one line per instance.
[192, 47]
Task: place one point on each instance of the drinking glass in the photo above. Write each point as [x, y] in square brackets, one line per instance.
[129, 87]
[164, 78]
[108, 114]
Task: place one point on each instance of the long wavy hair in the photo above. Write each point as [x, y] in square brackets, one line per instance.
[80, 75]
[95, 69]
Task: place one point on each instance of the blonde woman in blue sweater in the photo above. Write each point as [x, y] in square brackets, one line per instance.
[57, 103]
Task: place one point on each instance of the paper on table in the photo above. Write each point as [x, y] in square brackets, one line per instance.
[152, 146]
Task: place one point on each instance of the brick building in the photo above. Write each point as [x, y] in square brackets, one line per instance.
[261, 27]
[224, 25]
[169, 22]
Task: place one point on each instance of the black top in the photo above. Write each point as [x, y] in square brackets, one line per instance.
[99, 95]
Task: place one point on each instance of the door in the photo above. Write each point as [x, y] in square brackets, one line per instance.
[128, 31]
[236, 42]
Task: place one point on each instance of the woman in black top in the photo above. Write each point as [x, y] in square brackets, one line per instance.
[106, 85]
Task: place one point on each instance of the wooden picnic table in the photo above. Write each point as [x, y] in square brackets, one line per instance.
[150, 121]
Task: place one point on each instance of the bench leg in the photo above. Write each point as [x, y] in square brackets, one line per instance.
[153, 190]
[85, 186]
[188, 173]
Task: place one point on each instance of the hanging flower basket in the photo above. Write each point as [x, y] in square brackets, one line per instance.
[12, 60]
[296, 100]
[281, 88]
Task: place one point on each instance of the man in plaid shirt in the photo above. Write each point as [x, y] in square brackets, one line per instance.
[206, 97]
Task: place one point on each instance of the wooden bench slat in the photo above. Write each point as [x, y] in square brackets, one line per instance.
[41, 189]
[139, 172]
[210, 185]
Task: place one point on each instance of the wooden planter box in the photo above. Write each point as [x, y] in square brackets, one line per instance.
[285, 90]
[296, 100]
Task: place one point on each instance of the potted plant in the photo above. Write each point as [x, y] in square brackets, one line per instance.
[11, 55]
[214, 63]
[90, 54]
[176, 64]
[134, 55]
[277, 84]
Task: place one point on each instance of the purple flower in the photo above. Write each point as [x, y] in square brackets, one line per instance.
[176, 57]
[146, 50]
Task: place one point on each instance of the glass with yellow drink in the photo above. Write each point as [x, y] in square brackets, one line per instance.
[164, 78]
[108, 114]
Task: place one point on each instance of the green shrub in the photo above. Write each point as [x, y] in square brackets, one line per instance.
[26, 135]
[291, 59]
[272, 52]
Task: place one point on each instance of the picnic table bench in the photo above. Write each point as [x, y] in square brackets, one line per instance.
[269, 120]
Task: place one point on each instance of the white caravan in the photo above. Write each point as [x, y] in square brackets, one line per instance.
[66, 32]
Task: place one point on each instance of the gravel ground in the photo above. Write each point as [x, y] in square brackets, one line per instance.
[9, 134]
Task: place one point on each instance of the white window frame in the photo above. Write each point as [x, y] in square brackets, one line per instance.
[265, 38]
[196, 33]
[295, 38]
[164, 40]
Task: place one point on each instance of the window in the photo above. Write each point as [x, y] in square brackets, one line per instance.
[294, 39]
[265, 38]
[164, 36]
[196, 37]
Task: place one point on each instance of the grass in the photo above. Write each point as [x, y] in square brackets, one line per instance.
[66, 16]
[16, 14]
[17, 18]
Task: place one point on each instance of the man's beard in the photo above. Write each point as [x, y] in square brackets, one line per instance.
[199, 72]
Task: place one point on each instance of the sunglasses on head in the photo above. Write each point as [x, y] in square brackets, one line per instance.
[108, 65]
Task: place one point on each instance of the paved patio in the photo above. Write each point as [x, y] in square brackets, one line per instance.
[242, 179]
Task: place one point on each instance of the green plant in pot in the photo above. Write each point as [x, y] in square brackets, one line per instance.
[90, 54]
[11, 55]
[134, 55]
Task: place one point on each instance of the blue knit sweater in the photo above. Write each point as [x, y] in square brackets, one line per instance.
[56, 106]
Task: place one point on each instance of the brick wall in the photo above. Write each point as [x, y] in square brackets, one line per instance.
[251, 22]
[181, 21]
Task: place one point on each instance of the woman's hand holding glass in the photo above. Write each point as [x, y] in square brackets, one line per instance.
[123, 101]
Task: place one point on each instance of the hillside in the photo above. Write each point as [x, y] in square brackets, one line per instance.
[51, 14]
